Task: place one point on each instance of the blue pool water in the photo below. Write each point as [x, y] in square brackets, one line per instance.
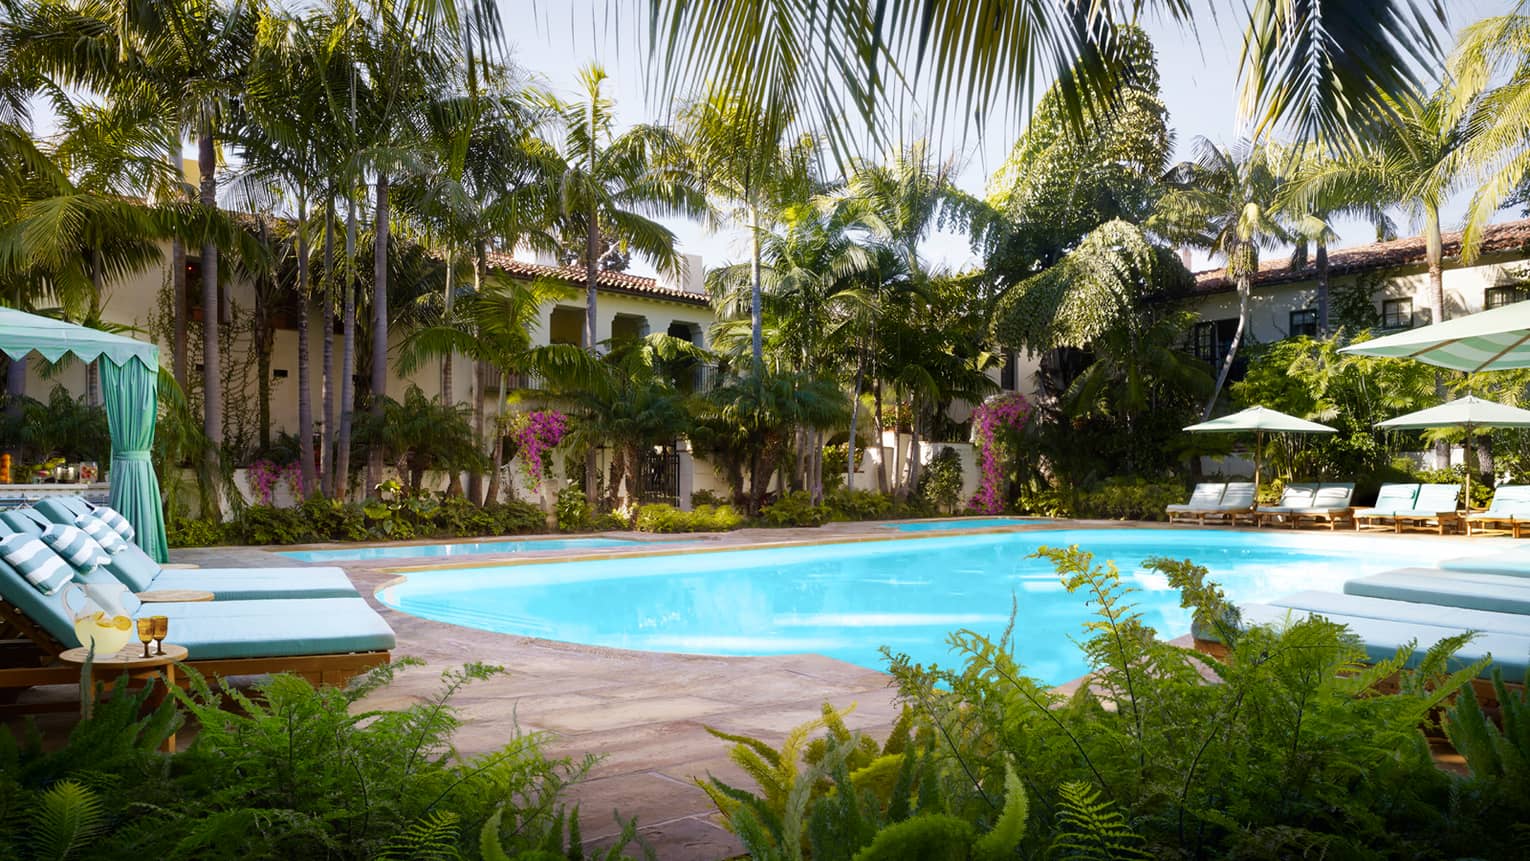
[847, 600]
[964, 523]
[362, 554]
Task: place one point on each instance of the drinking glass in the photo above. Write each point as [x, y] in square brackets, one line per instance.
[145, 634]
[161, 629]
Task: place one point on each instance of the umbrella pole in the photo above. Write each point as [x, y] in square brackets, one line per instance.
[1466, 460]
[1258, 446]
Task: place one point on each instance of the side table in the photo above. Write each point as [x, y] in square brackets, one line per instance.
[130, 660]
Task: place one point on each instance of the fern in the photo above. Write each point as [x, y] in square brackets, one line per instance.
[431, 838]
[67, 819]
[1089, 828]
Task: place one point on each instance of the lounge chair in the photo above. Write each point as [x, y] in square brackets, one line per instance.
[1390, 499]
[139, 572]
[1382, 638]
[325, 640]
[1514, 563]
[1507, 514]
[1344, 604]
[1205, 497]
[1293, 498]
[1495, 593]
[1330, 505]
[1237, 503]
[1434, 509]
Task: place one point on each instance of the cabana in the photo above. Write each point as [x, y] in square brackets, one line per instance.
[130, 381]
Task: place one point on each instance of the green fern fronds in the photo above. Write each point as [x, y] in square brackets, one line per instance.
[1001, 841]
[927, 837]
[430, 838]
[1089, 828]
[69, 815]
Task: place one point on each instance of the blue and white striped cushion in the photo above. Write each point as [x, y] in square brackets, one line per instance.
[75, 547]
[111, 517]
[35, 561]
[101, 533]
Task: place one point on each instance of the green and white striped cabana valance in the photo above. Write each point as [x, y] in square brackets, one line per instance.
[1496, 340]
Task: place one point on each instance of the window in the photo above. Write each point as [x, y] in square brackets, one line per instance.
[1396, 313]
[1007, 373]
[1203, 341]
[1304, 322]
[1497, 297]
[1210, 339]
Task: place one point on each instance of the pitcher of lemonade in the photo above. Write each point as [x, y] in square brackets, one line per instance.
[99, 619]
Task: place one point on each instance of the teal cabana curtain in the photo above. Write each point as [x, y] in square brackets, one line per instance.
[130, 380]
[132, 403]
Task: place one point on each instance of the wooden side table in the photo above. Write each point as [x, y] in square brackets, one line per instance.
[165, 596]
[130, 660]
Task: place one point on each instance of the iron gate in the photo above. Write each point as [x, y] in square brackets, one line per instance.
[658, 474]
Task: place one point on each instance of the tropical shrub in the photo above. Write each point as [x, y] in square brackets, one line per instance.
[707, 497]
[794, 509]
[290, 771]
[1129, 498]
[1305, 747]
[940, 485]
[659, 517]
[320, 520]
[846, 504]
[420, 434]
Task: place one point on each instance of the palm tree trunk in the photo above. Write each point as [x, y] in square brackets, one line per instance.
[454, 479]
[380, 228]
[178, 311]
[475, 480]
[304, 385]
[178, 280]
[915, 459]
[591, 279]
[1434, 255]
[212, 378]
[1245, 287]
[876, 418]
[497, 449]
[347, 358]
[855, 403]
[757, 335]
[15, 384]
[263, 337]
[327, 326]
[1321, 261]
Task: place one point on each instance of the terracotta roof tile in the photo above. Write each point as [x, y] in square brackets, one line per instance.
[618, 282]
[1509, 236]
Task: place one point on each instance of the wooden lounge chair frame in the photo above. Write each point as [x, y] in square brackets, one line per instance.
[31, 659]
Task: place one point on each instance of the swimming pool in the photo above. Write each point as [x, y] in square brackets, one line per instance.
[963, 523]
[469, 548]
[847, 600]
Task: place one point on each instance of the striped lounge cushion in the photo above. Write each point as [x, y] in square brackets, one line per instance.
[35, 561]
[111, 517]
[101, 533]
[75, 547]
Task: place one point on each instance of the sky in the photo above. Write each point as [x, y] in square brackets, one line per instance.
[1199, 75]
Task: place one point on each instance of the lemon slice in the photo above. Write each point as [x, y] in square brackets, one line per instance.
[122, 623]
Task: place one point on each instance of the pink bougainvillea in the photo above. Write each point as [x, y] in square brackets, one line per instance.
[1009, 412]
[265, 475]
[536, 434]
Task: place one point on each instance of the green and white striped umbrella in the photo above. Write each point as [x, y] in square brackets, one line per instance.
[1470, 412]
[1495, 340]
[1260, 420]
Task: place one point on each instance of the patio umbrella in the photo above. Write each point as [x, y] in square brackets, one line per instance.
[1260, 420]
[1469, 412]
[1495, 340]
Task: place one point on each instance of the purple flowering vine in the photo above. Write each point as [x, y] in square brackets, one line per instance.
[536, 434]
[1004, 413]
[265, 476]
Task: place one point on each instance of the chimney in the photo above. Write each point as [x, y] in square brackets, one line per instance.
[1184, 257]
[691, 279]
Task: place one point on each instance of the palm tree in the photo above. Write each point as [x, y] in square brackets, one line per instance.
[832, 66]
[612, 184]
[1311, 217]
[1225, 202]
[741, 157]
[1412, 161]
[1490, 78]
